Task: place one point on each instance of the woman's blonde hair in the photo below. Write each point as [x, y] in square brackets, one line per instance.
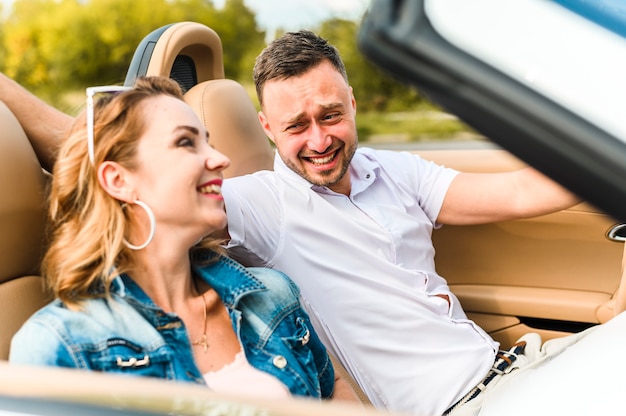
[86, 249]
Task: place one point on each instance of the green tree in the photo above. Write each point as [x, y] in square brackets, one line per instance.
[118, 26]
[53, 46]
[2, 41]
[241, 38]
[70, 43]
[23, 33]
[374, 90]
[59, 45]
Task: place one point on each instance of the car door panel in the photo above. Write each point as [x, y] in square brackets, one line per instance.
[552, 274]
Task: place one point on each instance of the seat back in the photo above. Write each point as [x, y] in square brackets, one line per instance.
[191, 53]
[187, 52]
[22, 223]
[226, 110]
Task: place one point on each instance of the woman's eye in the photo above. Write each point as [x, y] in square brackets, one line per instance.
[185, 142]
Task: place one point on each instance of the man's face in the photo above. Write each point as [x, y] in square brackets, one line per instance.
[311, 120]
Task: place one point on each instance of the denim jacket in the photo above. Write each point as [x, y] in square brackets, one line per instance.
[128, 333]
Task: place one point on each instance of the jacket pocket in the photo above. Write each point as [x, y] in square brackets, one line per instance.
[301, 337]
[299, 346]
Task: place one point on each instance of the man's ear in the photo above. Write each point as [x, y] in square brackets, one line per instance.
[352, 100]
[116, 181]
[266, 126]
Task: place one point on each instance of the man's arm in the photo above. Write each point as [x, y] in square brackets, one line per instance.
[476, 198]
[44, 125]
[343, 391]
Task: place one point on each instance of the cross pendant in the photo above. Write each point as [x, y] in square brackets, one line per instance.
[203, 343]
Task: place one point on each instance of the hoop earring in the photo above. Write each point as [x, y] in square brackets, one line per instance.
[152, 227]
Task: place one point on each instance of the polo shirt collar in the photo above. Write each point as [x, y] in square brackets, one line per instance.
[363, 172]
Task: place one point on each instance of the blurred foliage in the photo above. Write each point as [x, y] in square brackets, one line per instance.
[3, 51]
[373, 90]
[57, 47]
[422, 124]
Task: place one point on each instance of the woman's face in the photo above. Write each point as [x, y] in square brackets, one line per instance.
[179, 175]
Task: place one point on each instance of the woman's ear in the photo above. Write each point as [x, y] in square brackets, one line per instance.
[116, 181]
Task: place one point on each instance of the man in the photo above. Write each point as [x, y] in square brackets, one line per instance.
[353, 228]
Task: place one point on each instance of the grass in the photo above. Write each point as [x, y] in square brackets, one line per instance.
[412, 126]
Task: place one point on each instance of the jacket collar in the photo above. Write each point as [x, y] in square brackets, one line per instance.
[230, 280]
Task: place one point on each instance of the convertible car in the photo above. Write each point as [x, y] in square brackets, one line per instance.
[538, 78]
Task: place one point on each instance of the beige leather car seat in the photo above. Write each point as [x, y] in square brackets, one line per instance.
[22, 222]
[191, 53]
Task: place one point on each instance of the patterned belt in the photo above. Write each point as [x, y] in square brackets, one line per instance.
[501, 366]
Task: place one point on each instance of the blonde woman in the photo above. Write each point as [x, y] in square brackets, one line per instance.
[141, 286]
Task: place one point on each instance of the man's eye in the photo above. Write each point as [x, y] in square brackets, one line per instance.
[331, 117]
[296, 127]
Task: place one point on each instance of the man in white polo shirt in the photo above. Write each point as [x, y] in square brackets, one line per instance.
[352, 227]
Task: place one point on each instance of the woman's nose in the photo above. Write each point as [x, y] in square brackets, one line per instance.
[217, 160]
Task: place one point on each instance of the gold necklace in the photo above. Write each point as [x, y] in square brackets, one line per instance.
[203, 340]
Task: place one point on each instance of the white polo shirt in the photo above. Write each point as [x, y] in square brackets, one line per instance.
[365, 266]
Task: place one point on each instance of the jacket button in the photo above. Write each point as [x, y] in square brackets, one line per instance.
[306, 338]
[279, 361]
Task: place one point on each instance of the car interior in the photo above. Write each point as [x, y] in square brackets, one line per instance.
[554, 274]
[22, 221]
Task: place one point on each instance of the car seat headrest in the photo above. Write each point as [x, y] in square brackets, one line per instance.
[230, 117]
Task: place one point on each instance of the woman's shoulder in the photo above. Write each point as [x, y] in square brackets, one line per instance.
[89, 317]
[56, 315]
[58, 335]
[45, 335]
[51, 313]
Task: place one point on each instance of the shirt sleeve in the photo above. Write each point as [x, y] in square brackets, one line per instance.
[254, 216]
[426, 180]
[432, 186]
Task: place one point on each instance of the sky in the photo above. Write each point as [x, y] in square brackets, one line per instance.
[292, 14]
[298, 14]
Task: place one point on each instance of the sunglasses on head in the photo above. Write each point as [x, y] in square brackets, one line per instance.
[91, 92]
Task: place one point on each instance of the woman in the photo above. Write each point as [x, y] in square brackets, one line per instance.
[141, 287]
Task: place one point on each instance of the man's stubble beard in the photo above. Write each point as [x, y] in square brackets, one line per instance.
[330, 181]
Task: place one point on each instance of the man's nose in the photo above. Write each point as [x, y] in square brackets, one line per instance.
[319, 139]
